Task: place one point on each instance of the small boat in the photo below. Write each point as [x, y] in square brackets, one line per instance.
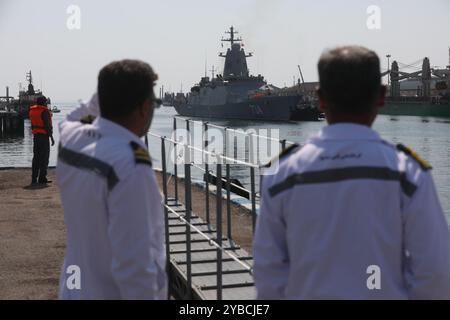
[55, 110]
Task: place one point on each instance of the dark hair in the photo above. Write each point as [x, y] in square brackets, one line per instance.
[123, 86]
[350, 79]
[41, 100]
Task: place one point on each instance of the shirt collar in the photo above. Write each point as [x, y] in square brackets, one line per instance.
[113, 129]
[347, 131]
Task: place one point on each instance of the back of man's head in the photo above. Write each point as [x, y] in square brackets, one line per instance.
[123, 86]
[41, 101]
[350, 79]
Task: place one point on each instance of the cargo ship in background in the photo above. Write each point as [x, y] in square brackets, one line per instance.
[424, 93]
[238, 95]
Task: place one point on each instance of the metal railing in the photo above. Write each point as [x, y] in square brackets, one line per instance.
[221, 182]
[282, 142]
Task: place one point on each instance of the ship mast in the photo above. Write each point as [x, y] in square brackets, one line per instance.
[29, 77]
[30, 83]
[235, 57]
[232, 40]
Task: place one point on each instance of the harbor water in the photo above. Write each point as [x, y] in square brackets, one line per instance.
[429, 137]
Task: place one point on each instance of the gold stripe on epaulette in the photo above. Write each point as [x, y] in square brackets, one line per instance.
[141, 155]
[422, 162]
[87, 119]
[281, 155]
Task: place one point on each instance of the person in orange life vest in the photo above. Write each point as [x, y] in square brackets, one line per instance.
[41, 127]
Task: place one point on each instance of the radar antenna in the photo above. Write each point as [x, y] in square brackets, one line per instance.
[232, 40]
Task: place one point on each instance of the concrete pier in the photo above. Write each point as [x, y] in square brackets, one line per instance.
[11, 123]
[32, 234]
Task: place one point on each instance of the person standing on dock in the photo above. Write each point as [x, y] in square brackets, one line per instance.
[112, 204]
[349, 215]
[41, 127]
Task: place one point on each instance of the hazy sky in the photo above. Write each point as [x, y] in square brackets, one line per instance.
[176, 36]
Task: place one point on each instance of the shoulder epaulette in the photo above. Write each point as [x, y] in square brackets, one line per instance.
[284, 153]
[141, 154]
[423, 163]
[87, 119]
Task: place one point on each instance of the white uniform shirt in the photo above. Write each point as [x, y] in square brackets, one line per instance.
[112, 210]
[343, 203]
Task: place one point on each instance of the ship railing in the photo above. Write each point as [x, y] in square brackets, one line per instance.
[216, 242]
[213, 175]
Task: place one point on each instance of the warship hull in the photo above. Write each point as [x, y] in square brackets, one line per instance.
[276, 108]
[419, 108]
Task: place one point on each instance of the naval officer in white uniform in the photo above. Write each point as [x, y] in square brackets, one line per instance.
[348, 215]
[112, 204]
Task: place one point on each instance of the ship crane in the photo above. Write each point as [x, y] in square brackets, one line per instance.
[444, 75]
[424, 75]
[302, 79]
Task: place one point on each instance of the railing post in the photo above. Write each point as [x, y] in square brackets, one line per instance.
[187, 186]
[175, 166]
[188, 132]
[252, 182]
[219, 228]
[253, 196]
[250, 148]
[225, 142]
[146, 140]
[228, 203]
[189, 140]
[283, 144]
[206, 159]
[164, 167]
[166, 212]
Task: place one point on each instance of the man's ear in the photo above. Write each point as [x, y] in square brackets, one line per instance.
[322, 103]
[382, 97]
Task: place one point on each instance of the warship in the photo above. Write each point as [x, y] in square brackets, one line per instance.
[236, 94]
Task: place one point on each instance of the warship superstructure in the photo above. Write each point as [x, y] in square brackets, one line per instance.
[238, 95]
